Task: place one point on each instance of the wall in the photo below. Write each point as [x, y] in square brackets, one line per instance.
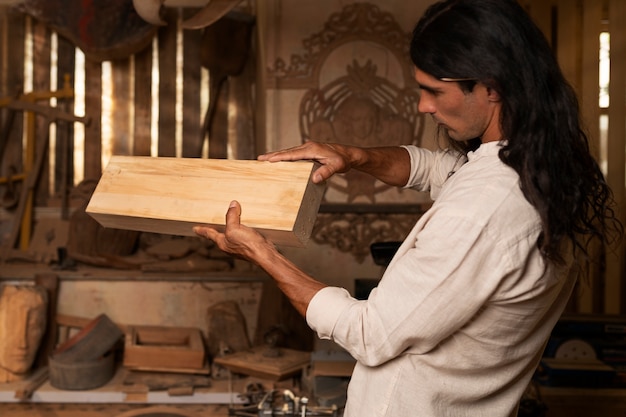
[305, 47]
[572, 27]
[284, 29]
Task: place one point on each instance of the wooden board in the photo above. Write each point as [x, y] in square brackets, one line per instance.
[162, 348]
[256, 362]
[171, 195]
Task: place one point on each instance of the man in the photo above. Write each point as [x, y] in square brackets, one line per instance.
[458, 322]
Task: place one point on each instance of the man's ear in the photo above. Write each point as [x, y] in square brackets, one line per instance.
[492, 94]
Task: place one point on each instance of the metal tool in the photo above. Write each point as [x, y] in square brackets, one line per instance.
[278, 402]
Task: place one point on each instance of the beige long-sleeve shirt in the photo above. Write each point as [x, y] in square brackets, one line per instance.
[459, 320]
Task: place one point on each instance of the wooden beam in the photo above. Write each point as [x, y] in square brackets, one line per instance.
[171, 195]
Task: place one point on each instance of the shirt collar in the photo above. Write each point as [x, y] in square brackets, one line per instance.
[486, 149]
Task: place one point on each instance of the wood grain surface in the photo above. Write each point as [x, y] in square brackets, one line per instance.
[171, 195]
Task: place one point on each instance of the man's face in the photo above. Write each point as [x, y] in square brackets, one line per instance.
[23, 314]
[463, 115]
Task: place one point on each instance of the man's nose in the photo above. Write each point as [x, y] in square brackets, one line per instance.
[425, 104]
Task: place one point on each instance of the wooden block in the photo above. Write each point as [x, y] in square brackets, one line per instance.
[162, 348]
[256, 362]
[171, 195]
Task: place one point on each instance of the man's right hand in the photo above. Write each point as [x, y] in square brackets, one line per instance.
[333, 157]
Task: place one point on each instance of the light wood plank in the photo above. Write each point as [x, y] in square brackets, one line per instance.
[171, 195]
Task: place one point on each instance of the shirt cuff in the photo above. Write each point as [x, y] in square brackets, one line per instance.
[325, 308]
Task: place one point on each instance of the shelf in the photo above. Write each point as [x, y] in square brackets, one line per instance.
[117, 392]
[27, 271]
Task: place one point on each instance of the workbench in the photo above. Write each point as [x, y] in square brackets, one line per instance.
[98, 410]
[115, 398]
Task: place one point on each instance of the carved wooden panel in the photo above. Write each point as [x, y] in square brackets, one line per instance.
[357, 88]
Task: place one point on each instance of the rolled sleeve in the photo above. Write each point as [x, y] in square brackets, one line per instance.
[325, 309]
[430, 169]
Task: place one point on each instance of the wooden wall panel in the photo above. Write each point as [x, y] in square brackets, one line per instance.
[41, 84]
[122, 107]
[13, 36]
[132, 101]
[575, 38]
[192, 85]
[570, 25]
[615, 287]
[143, 103]
[541, 13]
[590, 299]
[241, 129]
[64, 143]
[4, 46]
[590, 71]
[167, 85]
[93, 109]
[569, 18]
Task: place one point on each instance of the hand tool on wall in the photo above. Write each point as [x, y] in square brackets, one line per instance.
[34, 157]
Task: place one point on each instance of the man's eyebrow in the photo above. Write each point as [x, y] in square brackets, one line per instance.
[430, 89]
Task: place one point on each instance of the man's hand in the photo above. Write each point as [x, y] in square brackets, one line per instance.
[244, 242]
[334, 158]
[237, 239]
[390, 164]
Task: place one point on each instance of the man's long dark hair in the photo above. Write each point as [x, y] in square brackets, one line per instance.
[495, 43]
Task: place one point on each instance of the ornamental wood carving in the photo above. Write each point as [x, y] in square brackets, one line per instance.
[347, 101]
[363, 109]
[355, 22]
[355, 232]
